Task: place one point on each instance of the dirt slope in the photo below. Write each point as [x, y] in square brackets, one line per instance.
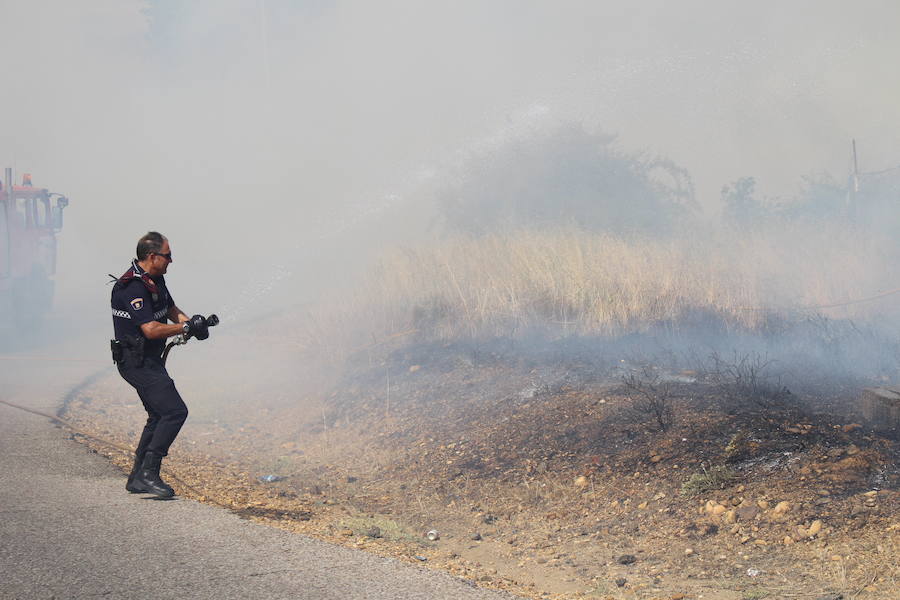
[540, 477]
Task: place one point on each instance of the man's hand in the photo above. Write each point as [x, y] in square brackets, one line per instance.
[198, 327]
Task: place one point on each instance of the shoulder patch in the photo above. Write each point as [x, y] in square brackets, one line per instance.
[137, 303]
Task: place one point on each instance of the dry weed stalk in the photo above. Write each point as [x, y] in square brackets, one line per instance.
[571, 282]
[651, 396]
[747, 379]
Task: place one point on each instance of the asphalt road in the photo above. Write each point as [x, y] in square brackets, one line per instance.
[68, 529]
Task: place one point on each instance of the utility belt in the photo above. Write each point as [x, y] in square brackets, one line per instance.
[128, 352]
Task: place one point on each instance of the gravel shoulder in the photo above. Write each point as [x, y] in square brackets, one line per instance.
[69, 530]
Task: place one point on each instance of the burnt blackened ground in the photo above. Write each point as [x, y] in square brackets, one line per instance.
[540, 454]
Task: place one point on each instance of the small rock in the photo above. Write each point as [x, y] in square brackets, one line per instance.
[871, 494]
[850, 427]
[347, 532]
[627, 559]
[581, 481]
[814, 529]
[659, 496]
[373, 532]
[852, 449]
[655, 458]
[476, 537]
[414, 368]
[688, 551]
[831, 597]
[642, 505]
[763, 504]
[782, 507]
[753, 572]
[747, 513]
[621, 581]
[717, 509]
[788, 540]
[351, 479]
[489, 519]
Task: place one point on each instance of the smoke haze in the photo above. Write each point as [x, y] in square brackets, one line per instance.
[260, 134]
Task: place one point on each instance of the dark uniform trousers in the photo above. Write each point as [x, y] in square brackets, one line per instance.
[167, 411]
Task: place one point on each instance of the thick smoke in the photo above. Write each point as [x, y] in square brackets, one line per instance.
[276, 143]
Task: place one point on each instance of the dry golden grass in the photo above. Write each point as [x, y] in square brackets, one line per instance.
[569, 282]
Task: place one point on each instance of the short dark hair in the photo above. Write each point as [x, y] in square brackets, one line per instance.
[150, 242]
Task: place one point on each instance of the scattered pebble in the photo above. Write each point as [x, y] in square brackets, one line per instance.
[581, 481]
[753, 572]
[814, 529]
[476, 537]
[621, 581]
[627, 559]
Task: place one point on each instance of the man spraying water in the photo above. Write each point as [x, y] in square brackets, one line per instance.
[141, 306]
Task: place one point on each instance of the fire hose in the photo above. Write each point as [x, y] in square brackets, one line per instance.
[76, 431]
[181, 339]
[211, 321]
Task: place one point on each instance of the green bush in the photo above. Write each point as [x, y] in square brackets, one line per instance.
[716, 478]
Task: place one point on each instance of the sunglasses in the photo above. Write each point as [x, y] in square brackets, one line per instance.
[167, 255]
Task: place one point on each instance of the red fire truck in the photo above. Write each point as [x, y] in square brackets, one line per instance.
[30, 217]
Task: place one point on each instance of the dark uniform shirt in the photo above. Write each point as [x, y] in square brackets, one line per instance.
[133, 305]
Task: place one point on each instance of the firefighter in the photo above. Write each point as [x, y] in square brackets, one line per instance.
[141, 306]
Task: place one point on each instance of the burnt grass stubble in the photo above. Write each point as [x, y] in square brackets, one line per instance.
[541, 469]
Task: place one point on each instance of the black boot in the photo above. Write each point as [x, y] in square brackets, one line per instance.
[131, 486]
[148, 477]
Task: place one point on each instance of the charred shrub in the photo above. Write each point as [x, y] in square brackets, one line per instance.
[748, 380]
[651, 397]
